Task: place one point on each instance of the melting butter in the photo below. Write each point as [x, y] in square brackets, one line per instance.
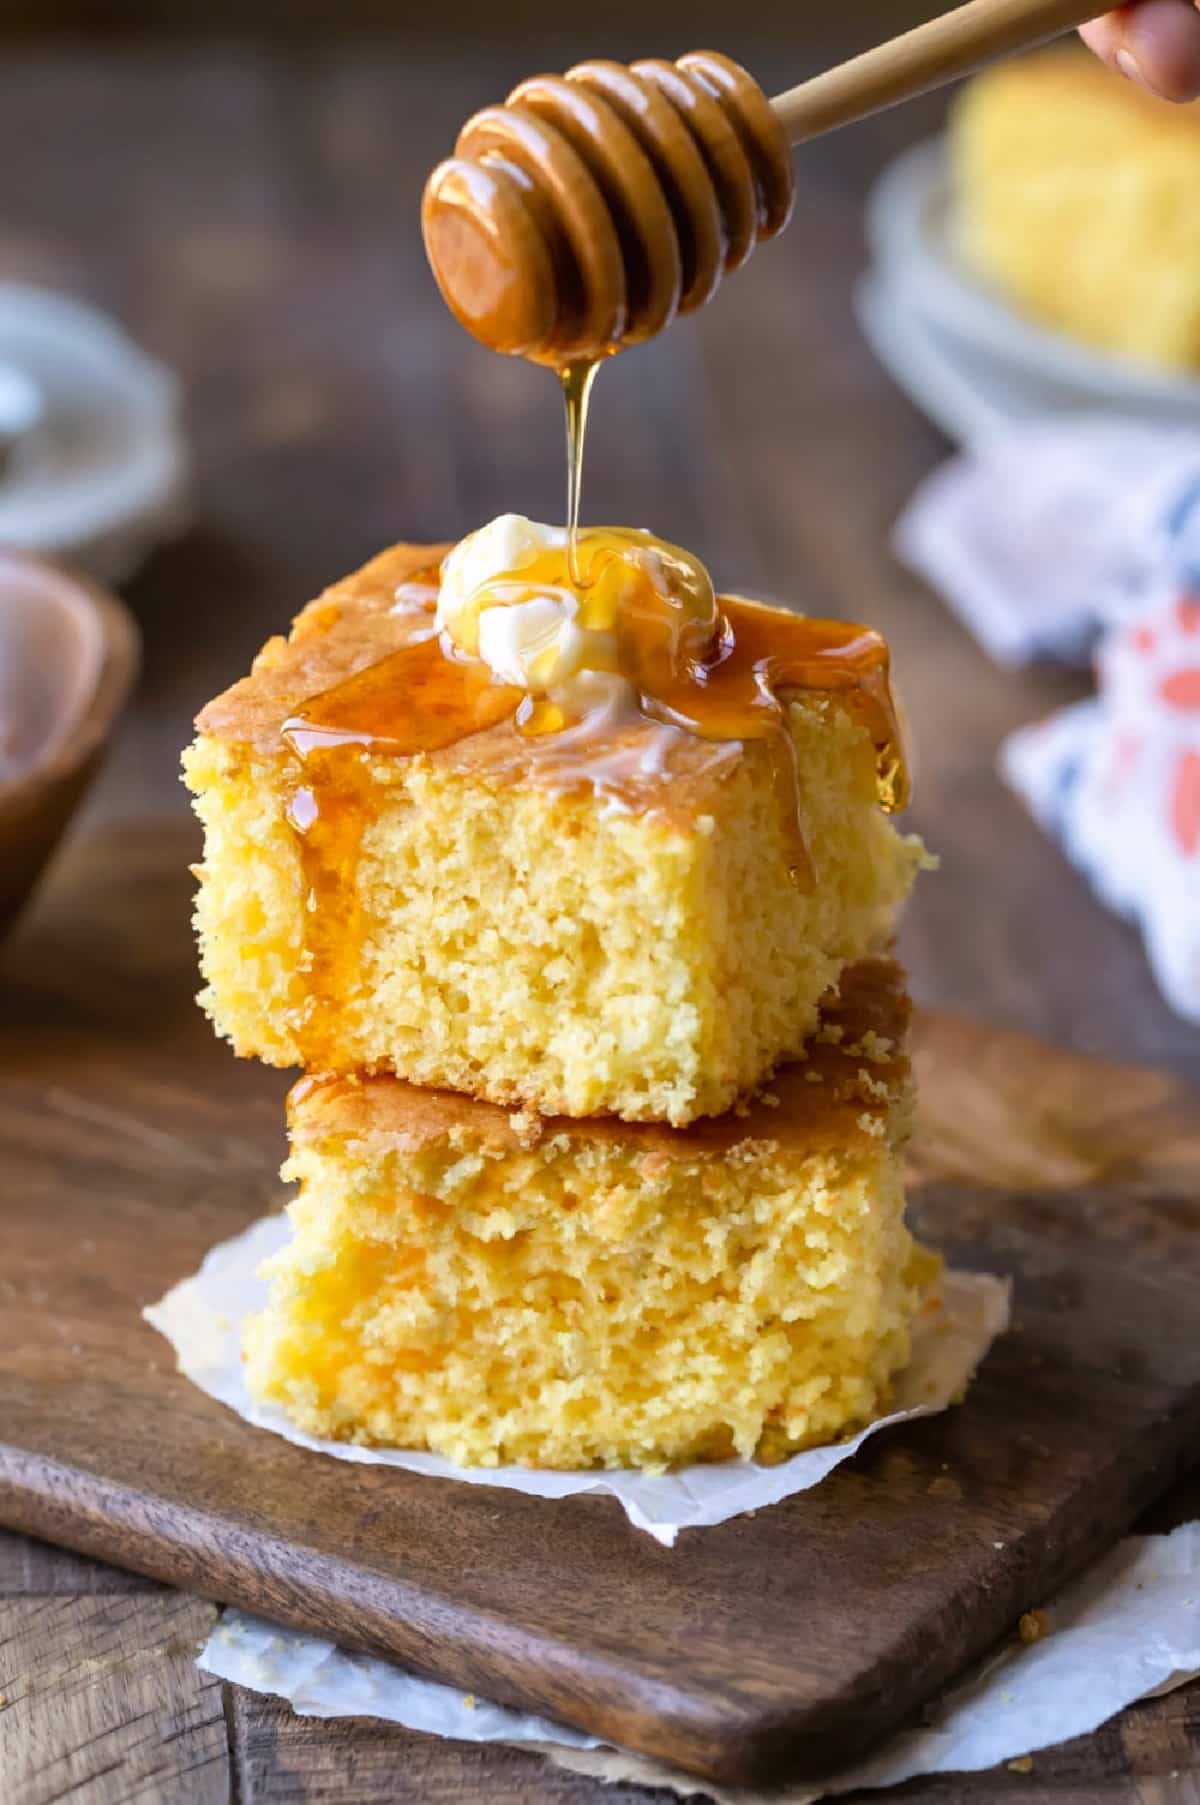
[512, 596]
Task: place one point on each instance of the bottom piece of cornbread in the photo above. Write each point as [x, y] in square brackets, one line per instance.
[577, 1293]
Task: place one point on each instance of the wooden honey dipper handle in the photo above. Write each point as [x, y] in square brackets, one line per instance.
[591, 208]
[928, 57]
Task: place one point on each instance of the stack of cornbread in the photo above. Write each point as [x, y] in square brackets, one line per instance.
[599, 1146]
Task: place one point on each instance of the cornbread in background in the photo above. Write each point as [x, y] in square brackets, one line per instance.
[617, 939]
[573, 1294]
[1078, 197]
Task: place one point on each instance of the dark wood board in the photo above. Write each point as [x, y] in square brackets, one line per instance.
[130, 1141]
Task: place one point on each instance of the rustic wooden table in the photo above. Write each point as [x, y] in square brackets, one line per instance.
[252, 219]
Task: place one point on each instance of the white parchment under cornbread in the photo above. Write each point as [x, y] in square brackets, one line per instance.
[202, 1316]
[1128, 1629]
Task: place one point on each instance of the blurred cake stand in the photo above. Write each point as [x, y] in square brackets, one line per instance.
[968, 359]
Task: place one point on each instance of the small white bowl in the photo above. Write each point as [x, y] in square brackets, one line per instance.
[94, 467]
[22, 407]
[69, 653]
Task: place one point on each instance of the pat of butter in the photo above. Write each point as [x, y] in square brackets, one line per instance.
[498, 549]
[527, 630]
[507, 599]
[534, 644]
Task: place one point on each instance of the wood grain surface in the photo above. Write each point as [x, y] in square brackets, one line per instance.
[771, 1646]
[109, 1684]
[249, 215]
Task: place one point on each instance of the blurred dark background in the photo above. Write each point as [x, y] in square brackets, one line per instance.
[653, 22]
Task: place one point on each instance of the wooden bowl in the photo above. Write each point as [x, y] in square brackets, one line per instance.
[69, 652]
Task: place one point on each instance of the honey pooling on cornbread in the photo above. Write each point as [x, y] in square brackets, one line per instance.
[404, 856]
[414, 700]
[591, 1293]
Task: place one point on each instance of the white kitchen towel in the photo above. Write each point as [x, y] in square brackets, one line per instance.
[1116, 780]
[1042, 535]
[1083, 533]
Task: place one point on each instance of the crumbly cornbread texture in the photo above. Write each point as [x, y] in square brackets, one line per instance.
[576, 1294]
[1077, 196]
[519, 938]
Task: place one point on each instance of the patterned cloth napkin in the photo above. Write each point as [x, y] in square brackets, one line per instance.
[1076, 535]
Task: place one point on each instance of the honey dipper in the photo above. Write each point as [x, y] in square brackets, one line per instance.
[591, 208]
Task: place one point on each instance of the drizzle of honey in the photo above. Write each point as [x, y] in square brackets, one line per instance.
[414, 700]
[577, 380]
[721, 670]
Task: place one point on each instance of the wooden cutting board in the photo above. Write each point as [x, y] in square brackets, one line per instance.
[772, 1646]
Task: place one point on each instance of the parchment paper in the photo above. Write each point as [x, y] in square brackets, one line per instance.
[1130, 1627]
[201, 1317]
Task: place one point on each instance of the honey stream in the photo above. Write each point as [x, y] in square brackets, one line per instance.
[577, 380]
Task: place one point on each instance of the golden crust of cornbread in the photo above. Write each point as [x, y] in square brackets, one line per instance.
[1077, 197]
[840, 1091]
[589, 1293]
[527, 944]
[346, 628]
[349, 627]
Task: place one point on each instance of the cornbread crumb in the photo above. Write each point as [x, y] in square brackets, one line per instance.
[532, 945]
[610, 1295]
[526, 1126]
[945, 1487]
[1077, 198]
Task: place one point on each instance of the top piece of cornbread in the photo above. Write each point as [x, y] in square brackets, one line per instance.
[605, 924]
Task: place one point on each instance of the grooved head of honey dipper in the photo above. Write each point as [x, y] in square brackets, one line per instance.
[488, 256]
[587, 211]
